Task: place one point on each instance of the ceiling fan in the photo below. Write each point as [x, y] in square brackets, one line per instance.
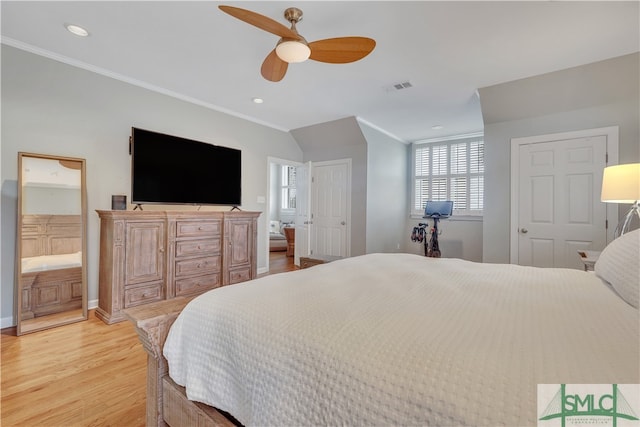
[292, 47]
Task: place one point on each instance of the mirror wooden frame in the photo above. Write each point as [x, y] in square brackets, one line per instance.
[48, 296]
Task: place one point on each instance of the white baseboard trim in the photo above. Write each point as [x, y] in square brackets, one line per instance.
[8, 322]
[262, 270]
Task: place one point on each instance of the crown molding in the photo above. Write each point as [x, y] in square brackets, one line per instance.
[379, 129]
[121, 77]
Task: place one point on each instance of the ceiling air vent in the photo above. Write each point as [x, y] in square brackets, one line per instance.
[398, 86]
[404, 85]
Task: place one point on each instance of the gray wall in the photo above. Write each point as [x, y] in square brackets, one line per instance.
[387, 191]
[381, 181]
[51, 201]
[596, 95]
[342, 139]
[458, 238]
[52, 108]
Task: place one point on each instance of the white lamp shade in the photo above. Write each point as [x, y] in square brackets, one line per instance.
[293, 51]
[621, 183]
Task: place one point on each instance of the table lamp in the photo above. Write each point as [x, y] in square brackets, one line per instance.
[621, 184]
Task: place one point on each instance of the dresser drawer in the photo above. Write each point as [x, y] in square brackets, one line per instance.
[191, 285]
[202, 265]
[197, 247]
[198, 228]
[239, 275]
[136, 295]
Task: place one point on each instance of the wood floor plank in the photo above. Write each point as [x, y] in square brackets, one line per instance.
[82, 374]
[87, 373]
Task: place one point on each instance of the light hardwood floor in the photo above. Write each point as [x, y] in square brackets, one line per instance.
[83, 374]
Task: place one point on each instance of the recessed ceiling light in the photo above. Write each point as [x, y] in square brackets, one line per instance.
[77, 30]
[437, 127]
[258, 100]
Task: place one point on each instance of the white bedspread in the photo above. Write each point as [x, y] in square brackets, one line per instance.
[51, 262]
[398, 339]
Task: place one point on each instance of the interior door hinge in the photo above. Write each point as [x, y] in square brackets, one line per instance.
[606, 224]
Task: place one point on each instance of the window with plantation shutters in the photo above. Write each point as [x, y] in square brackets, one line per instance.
[449, 170]
[288, 188]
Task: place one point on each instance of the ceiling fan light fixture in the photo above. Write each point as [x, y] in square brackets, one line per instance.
[293, 51]
[292, 47]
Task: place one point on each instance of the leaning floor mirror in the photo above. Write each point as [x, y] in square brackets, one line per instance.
[51, 279]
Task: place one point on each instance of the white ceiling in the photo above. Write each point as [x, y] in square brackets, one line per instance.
[446, 50]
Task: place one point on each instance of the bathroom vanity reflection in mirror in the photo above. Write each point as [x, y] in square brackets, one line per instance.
[51, 285]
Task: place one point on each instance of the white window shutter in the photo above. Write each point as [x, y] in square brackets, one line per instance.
[450, 170]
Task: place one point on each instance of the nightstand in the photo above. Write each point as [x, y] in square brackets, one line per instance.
[290, 235]
[589, 259]
[311, 260]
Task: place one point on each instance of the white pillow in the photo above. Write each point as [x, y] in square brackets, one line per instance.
[274, 226]
[619, 264]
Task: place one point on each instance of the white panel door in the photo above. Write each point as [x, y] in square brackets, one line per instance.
[559, 207]
[330, 198]
[303, 211]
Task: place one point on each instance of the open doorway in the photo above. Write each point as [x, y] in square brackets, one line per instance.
[311, 214]
[281, 214]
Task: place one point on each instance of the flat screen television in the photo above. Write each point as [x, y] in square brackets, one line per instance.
[172, 170]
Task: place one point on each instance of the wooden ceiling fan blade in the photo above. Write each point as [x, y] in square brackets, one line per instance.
[341, 50]
[273, 68]
[260, 21]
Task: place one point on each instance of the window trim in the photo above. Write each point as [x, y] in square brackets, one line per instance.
[284, 210]
[448, 141]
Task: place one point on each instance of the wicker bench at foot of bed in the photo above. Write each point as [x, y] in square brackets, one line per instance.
[167, 403]
[180, 411]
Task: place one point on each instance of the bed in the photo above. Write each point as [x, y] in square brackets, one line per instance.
[392, 339]
[51, 264]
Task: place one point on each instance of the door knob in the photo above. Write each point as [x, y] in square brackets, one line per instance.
[524, 230]
[343, 223]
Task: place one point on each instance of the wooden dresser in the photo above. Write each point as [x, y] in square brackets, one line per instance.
[156, 255]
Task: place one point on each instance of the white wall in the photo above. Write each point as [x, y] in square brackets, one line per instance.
[52, 108]
[596, 95]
